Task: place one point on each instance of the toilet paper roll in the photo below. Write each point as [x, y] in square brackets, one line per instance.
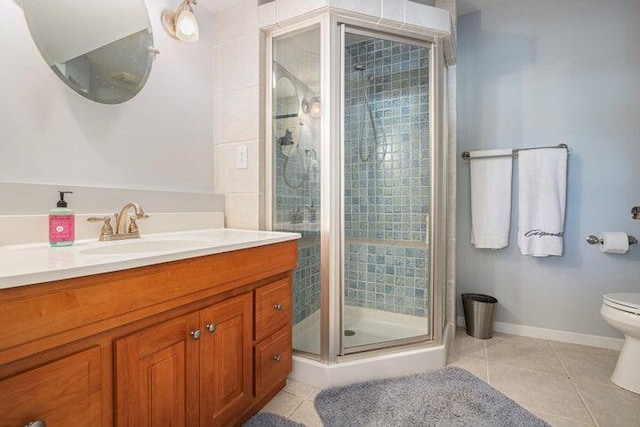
[614, 242]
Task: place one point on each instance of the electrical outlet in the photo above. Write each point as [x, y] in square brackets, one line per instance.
[242, 154]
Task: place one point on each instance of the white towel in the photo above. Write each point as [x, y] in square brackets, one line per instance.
[490, 198]
[542, 195]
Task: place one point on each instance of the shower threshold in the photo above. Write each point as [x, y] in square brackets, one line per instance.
[369, 326]
[376, 364]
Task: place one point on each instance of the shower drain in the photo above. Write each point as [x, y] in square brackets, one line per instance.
[349, 333]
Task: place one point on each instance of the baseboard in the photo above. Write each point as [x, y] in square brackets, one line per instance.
[555, 335]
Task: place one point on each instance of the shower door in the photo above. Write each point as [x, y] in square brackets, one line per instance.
[295, 169]
[386, 155]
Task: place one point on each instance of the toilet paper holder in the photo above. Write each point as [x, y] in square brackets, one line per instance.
[595, 240]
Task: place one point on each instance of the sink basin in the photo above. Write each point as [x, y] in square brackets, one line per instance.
[144, 246]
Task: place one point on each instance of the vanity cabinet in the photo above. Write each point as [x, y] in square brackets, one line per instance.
[273, 349]
[192, 370]
[67, 392]
[203, 341]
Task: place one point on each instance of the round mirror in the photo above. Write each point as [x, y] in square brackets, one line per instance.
[286, 107]
[101, 49]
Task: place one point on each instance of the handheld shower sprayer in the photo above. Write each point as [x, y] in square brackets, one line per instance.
[370, 77]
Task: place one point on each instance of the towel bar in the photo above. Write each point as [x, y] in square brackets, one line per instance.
[466, 156]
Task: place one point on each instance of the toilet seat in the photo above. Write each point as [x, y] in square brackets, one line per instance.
[629, 302]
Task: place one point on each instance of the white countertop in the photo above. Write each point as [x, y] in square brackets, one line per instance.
[36, 263]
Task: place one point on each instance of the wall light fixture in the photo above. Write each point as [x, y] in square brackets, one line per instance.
[182, 24]
[313, 107]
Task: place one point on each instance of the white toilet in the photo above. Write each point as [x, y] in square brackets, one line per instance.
[622, 311]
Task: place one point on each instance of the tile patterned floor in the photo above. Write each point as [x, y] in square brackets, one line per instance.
[567, 385]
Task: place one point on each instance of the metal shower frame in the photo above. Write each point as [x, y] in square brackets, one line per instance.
[333, 27]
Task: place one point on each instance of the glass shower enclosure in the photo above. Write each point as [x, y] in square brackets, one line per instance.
[386, 197]
[351, 168]
[296, 197]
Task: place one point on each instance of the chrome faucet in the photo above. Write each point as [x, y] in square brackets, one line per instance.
[122, 231]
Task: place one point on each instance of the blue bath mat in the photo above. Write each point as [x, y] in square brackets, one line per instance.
[448, 397]
[267, 419]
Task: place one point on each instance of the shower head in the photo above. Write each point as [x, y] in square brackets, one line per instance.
[369, 76]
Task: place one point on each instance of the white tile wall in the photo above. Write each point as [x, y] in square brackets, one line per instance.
[392, 12]
[241, 63]
[267, 15]
[238, 112]
[216, 170]
[287, 9]
[367, 7]
[242, 210]
[235, 22]
[451, 93]
[437, 19]
[239, 180]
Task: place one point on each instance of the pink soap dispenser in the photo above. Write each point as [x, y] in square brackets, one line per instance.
[62, 223]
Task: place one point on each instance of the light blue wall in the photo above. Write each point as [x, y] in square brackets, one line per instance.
[534, 73]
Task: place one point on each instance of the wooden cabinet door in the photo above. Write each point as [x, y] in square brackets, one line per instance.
[67, 392]
[226, 360]
[157, 375]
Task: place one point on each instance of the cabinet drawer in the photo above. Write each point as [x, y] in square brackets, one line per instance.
[273, 308]
[66, 392]
[273, 360]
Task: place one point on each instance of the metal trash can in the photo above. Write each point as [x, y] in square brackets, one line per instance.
[479, 312]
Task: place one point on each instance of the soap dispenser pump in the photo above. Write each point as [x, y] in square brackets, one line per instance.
[62, 223]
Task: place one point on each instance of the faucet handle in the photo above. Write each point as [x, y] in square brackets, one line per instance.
[107, 230]
[133, 226]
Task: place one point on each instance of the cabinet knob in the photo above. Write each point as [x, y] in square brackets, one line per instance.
[211, 327]
[36, 423]
[196, 334]
[278, 306]
[277, 358]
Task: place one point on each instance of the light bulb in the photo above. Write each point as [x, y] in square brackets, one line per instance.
[315, 108]
[187, 26]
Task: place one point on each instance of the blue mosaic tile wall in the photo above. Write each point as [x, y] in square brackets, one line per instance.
[387, 197]
[306, 293]
[296, 184]
[300, 193]
[387, 277]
